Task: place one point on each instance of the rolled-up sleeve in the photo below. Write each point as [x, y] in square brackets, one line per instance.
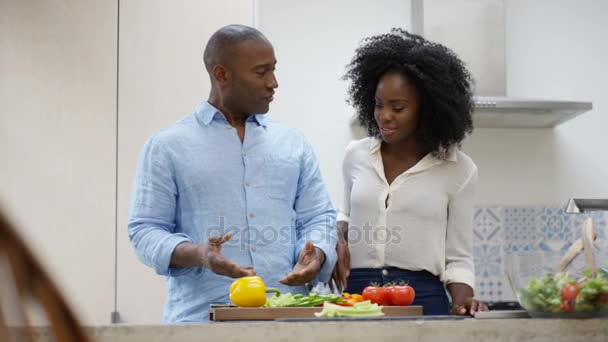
[459, 237]
[315, 215]
[152, 216]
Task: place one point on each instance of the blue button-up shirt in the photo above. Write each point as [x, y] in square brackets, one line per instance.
[197, 180]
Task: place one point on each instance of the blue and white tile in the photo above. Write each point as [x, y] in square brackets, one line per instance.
[520, 228]
[487, 223]
[555, 230]
[487, 236]
[488, 260]
[488, 253]
[493, 290]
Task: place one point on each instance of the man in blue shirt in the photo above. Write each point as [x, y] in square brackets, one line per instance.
[226, 192]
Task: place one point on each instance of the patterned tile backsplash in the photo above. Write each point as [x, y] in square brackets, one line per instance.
[498, 231]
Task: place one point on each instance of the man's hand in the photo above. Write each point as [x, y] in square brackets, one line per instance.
[470, 306]
[209, 255]
[341, 271]
[308, 266]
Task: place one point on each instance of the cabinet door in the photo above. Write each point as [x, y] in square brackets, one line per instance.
[161, 79]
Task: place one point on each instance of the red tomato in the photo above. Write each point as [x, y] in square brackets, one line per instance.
[374, 294]
[569, 293]
[388, 294]
[402, 295]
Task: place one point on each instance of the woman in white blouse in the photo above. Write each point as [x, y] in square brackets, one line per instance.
[409, 190]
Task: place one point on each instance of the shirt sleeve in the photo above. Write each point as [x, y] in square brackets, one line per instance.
[344, 208]
[459, 238]
[315, 215]
[152, 228]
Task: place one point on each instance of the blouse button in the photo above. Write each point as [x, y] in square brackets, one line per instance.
[385, 272]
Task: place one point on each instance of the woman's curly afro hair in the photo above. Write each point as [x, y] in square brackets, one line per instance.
[443, 82]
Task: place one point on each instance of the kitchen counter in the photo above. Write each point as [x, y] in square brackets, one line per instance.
[468, 330]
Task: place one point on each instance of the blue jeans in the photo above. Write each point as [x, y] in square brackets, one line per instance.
[430, 293]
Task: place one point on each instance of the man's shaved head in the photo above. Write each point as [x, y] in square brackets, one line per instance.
[241, 63]
[221, 42]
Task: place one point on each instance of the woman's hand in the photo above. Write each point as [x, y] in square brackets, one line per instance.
[341, 271]
[469, 306]
[463, 302]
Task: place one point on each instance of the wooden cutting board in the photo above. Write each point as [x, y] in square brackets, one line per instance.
[231, 313]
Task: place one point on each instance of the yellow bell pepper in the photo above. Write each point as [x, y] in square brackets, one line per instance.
[250, 292]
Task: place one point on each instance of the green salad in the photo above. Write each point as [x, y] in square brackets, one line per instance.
[560, 293]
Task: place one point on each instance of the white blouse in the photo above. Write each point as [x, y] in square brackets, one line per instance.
[422, 221]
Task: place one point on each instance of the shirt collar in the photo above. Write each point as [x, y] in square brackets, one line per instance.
[261, 119]
[426, 162]
[207, 112]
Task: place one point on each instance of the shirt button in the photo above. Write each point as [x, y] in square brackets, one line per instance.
[244, 154]
[252, 215]
[385, 272]
[247, 184]
[253, 248]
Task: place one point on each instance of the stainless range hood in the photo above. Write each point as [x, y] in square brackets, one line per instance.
[475, 30]
[509, 112]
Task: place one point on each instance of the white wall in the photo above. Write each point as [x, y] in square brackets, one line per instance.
[555, 50]
[314, 40]
[57, 141]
